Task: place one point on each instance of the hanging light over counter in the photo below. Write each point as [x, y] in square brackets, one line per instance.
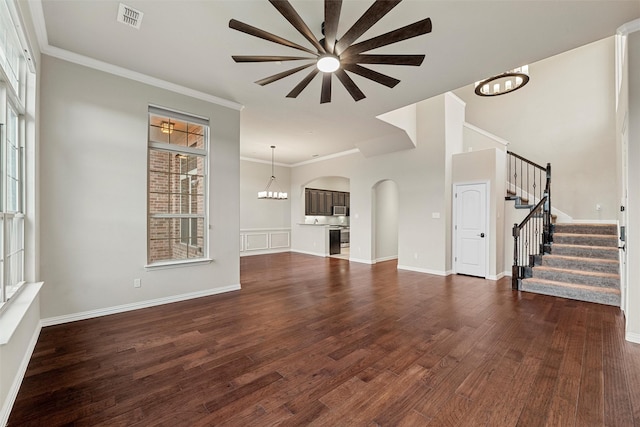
[269, 192]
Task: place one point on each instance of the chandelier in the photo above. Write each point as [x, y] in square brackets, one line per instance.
[503, 83]
[272, 193]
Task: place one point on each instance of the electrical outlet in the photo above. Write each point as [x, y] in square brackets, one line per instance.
[598, 207]
[137, 283]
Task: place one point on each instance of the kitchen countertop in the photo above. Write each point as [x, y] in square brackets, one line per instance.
[325, 225]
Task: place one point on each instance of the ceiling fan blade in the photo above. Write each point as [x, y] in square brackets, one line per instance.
[257, 32]
[414, 60]
[366, 21]
[351, 87]
[377, 77]
[290, 14]
[413, 30]
[325, 94]
[282, 75]
[303, 84]
[331, 20]
[261, 58]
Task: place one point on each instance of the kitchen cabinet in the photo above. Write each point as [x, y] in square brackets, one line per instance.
[320, 202]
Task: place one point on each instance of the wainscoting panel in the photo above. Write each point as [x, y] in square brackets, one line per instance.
[264, 241]
[257, 241]
[280, 240]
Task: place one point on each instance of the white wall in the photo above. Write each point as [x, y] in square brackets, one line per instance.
[93, 194]
[454, 142]
[385, 199]
[263, 213]
[420, 176]
[482, 166]
[479, 139]
[565, 116]
[333, 183]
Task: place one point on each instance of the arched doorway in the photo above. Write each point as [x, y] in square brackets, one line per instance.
[385, 221]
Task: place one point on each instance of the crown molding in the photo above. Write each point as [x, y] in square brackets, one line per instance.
[37, 15]
[330, 156]
[306, 162]
[629, 27]
[266, 162]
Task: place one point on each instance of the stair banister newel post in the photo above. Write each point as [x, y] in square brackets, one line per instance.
[515, 270]
[548, 227]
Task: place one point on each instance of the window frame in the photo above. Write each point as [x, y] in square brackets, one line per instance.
[190, 217]
[17, 75]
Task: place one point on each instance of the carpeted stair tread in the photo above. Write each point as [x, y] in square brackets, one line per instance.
[581, 263]
[579, 258]
[581, 272]
[609, 296]
[572, 285]
[575, 228]
[590, 278]
[602, 252]
[586, 246]
[601, 240]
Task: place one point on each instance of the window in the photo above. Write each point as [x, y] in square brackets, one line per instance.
[13, 73]
[11, 54]
[177, 181]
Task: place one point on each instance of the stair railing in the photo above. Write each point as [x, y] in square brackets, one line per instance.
[526, 179]
[530, 184]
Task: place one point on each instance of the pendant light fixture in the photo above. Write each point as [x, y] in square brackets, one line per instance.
[503, 83]
[272, 193]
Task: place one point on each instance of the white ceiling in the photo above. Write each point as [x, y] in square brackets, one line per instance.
[189, 43]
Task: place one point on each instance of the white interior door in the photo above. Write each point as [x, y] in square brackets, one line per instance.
[470, 229]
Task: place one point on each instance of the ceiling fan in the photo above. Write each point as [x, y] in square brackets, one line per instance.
[332, 55]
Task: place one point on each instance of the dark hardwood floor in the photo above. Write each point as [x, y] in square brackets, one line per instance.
[321, 341]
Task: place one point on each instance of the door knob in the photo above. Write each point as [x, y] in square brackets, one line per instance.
[481, 234]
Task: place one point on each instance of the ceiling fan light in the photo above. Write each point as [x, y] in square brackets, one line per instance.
[328, 63]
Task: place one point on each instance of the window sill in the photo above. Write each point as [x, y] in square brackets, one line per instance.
[176, 264]
[15, 310]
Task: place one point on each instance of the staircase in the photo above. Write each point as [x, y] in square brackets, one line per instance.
[576, 261]
[583, 265]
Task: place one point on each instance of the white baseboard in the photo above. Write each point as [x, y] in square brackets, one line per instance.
[387, 258]
[17, 380]
[506, 273]
[263, 252]
[498, 276]
[362, 261]
[135, 306]
[423, 270]
[632, 337]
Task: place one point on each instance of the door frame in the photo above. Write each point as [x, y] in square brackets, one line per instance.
[624, 217]
[454, 220]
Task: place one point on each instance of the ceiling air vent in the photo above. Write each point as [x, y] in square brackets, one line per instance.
[129, 16]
